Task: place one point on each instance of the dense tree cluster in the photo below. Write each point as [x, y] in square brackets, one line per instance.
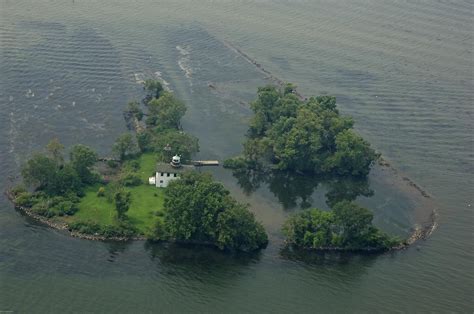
[49, 173]
[348, 226]
[163, 133]
[197, 209]
[57, 183]
[307, 136]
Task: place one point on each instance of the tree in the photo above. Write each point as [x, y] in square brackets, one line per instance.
[122, 201]
[348, 226]
[238, 230]
[167, 109]
[308, 136]
[311, 228]
[82, 159]
[40, 171]
[124, 146]
[55, 150]
[180, 143]
[154, 88]
[134, 109]
[197, 209]
[353, 155]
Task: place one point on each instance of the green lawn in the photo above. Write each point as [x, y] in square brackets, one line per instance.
[147, 201]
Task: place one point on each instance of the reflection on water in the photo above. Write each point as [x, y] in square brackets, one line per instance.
[295, 190]
[198, 258]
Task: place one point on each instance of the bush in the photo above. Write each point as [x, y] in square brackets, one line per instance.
[42, 208]
[235, 163]
[123, 229]
[101, 192]
[19, 189]
[85, 227]
[25, 199]
[130, 179]
[65, 208]
[112, 164]
[132, 165]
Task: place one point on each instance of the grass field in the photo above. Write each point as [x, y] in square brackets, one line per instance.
[145, 208]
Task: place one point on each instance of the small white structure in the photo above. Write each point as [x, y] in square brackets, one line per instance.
[152, 180]
[165, 173]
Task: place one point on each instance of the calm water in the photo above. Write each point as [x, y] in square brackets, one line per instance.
[403, 69]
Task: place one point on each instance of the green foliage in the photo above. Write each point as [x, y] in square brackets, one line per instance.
[353, 155]
[143, 141]
[311, 228]
[125, 146]
[40, 171]
[238, 230]
[305, 136]
[25, 199]
[348, 226]
[122, 201]
[167, 110]
[130, 179]
[199, 209]
[154, 88]
[101, 192]
[55, 150]
[82, 159]
[180, 142]
[18, 189]
[122, 230]
[134, 109]
[112, 164]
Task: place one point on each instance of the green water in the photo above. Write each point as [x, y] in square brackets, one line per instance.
[402, 69]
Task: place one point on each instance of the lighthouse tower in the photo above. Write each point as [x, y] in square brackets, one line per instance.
[176, 161]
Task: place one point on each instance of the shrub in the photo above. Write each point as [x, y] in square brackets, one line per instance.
[123, 229]
[65, 208]
[133, 165]
[101, 192]
[42, 208]
[85, 227]
[130, 179]
[25, 199]
[112, 164]
[19, 189]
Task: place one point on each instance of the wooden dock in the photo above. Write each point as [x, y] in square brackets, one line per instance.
[202, 163]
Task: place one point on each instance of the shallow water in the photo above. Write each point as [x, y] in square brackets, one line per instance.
[403, 69]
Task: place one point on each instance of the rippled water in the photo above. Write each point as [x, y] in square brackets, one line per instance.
[403, 69]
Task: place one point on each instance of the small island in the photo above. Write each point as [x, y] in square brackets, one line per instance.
[147, 190]
[309, 137]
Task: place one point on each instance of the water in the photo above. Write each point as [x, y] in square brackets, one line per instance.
[402, 69]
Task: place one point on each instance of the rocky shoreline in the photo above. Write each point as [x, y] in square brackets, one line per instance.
[419, 233]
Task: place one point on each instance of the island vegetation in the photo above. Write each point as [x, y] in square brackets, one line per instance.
[306, 136]
[347, 226]
[110, 198]
[290, 137]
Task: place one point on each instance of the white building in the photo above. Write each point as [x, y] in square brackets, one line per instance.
[168, 172]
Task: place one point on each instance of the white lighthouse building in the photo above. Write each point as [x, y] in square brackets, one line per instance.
[167, 172]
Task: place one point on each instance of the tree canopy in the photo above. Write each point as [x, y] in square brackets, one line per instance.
[82, 159]
[166, 111]
[348, 226]
[49, 173]
[308, 136]
[201, 210]
[124, 146]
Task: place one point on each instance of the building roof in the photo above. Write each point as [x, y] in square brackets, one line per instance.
[164, 167]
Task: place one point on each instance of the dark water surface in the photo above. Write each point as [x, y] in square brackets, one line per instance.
[403, 69]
